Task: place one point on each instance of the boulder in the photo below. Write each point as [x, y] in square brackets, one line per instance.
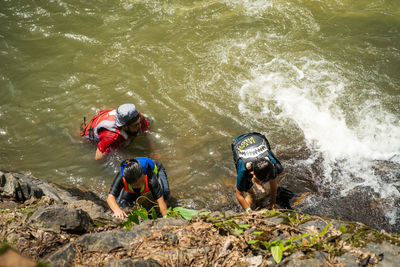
[361, 204]
[110, 240]
[95, 211]
[388, 253]
[22, 187]
[11, 187]
[58, 218]
[62, 257]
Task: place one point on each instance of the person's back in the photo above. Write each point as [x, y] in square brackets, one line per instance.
[137, 177]
[255, 164]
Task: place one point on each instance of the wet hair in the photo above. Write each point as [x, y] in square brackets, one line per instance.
[263, 170]
[132, 170]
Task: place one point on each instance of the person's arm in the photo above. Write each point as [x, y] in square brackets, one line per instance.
[242, 201]
[108, 141]
[258, 184]
[112, 203]
[162, 205]
[242, 185]
[274, 189]
[115, 190]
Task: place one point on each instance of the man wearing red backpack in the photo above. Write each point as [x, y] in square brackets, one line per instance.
[113, 129]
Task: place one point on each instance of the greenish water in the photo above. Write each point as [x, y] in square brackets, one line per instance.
[320, 78]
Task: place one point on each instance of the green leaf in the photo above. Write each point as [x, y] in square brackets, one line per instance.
[305, 235]
[133, 218]
[153, 213]
[204, 213]
[253, 242]
[187, 214]
[238, 232]
[258, 232]
[342, 229]
[277, 252]
[244, 225]
[142, 213]
[127, 224]
[288, 247]
[173, 214]
[324, 230]
[313, 238]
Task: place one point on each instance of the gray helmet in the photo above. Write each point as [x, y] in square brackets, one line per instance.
[126, 114]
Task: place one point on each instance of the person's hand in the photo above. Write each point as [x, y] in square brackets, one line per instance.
[120, 214]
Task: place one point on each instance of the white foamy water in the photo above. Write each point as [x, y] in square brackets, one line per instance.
[312, 96]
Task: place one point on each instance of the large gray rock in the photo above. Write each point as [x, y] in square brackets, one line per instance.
[62, 257]
[355, 206]
[390, 254]
[23, 187]
[58, 218]
[348, 260]
[95, 211]
[110, 240]
[12, 187]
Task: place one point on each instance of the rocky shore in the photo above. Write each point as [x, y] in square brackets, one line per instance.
[43, 224]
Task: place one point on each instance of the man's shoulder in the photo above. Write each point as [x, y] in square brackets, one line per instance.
[107, 134]
[110, 139]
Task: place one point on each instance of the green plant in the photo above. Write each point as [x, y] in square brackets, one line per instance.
[230, 226]
[342, 229]
[316, 238]
[296, 218]
[278, 247]
[141, 212]
[28, 210]
[185, 213]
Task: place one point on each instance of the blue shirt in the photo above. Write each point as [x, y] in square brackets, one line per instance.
[148, 166]
[243, 177]
[146, 163]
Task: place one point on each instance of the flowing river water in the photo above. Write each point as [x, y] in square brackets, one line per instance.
[320, 78]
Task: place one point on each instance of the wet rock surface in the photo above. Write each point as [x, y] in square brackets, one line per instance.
[61, 233]
[361, 204]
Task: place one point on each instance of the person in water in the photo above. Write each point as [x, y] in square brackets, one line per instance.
[255, 164]
[112, 129]
[137, 177]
